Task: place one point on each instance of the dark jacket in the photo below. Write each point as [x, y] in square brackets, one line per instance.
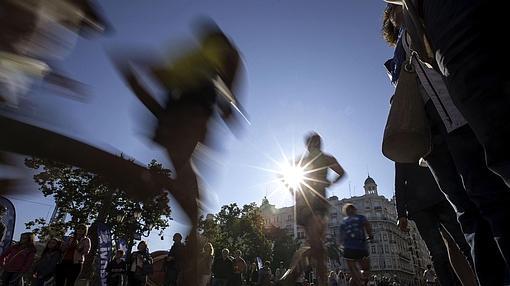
[223, 268]
[177, 253]
[415, 189]
[115, 269]
[47, 264]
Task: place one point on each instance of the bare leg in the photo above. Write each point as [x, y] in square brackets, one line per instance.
[459, 262]
[187, 188]
[365, 266]
[355, 272]
[315, 230]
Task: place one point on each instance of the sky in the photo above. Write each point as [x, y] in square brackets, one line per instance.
[308, 66]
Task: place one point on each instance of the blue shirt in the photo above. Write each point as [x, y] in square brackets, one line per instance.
[394, 64]
[353, 232]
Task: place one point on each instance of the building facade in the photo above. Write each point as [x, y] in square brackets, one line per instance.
[393, 253]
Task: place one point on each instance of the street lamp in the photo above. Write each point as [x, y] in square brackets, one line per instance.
[293, 176]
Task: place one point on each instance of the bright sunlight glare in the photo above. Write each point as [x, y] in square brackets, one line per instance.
[293, 175]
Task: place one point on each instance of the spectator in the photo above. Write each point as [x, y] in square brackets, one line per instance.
[74, 251]
[140, 265]
[300, 281]
[265, 275]
[280, 271]
[419, 198]
[429, 275]
[332, 279]
[17, 260]
[223, 268]
[457, 160]
[239, 269]
[174, 261]
[116, 269]
[253, 274]
[206, 261]
[342, 280]
[45, 267]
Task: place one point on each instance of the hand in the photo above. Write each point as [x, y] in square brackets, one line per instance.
[403, 224]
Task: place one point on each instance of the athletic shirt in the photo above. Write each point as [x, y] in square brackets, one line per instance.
[353, 232]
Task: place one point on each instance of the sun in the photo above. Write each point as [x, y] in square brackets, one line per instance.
[293, 175]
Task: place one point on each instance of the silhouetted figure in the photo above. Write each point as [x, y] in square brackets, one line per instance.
[223, 269]
[116, 269]
[174, 261]
[311, 203]
[457, 158]
[419, 198]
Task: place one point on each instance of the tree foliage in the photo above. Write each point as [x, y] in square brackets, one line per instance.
[243, 228]
[87, 197]
[237, 228]
[284, 246]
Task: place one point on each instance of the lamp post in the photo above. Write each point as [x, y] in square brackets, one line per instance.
[295, 212]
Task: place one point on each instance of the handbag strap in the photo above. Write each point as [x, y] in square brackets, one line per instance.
[420, 37]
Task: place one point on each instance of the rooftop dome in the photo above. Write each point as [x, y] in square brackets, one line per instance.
[369, 180]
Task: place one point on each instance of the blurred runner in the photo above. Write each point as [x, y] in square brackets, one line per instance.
[196, 83]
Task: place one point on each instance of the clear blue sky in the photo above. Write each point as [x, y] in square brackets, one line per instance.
[310, 65]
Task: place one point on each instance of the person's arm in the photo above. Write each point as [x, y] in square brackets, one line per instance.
[124, 65]
[342, 234]
[368, 228]
[400, 196]
[337, 168]
[86, 246]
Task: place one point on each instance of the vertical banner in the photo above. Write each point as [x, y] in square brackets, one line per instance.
[7, 222]
[105, 250]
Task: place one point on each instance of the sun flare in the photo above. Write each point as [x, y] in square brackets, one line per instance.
[293, 176]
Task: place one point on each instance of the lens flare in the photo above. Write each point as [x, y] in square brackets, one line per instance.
[293, 176]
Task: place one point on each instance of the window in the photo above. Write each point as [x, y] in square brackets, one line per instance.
[386, 248]
[373, 249]
[385, 236]
[334, 215]
[289, 217]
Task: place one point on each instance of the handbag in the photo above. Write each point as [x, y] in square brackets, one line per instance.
[407, 135]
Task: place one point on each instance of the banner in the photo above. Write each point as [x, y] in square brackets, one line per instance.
[105, 250]
[7, 222]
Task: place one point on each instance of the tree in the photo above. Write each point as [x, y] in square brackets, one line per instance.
[88, 198]
[284, 246]
[237, 229]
